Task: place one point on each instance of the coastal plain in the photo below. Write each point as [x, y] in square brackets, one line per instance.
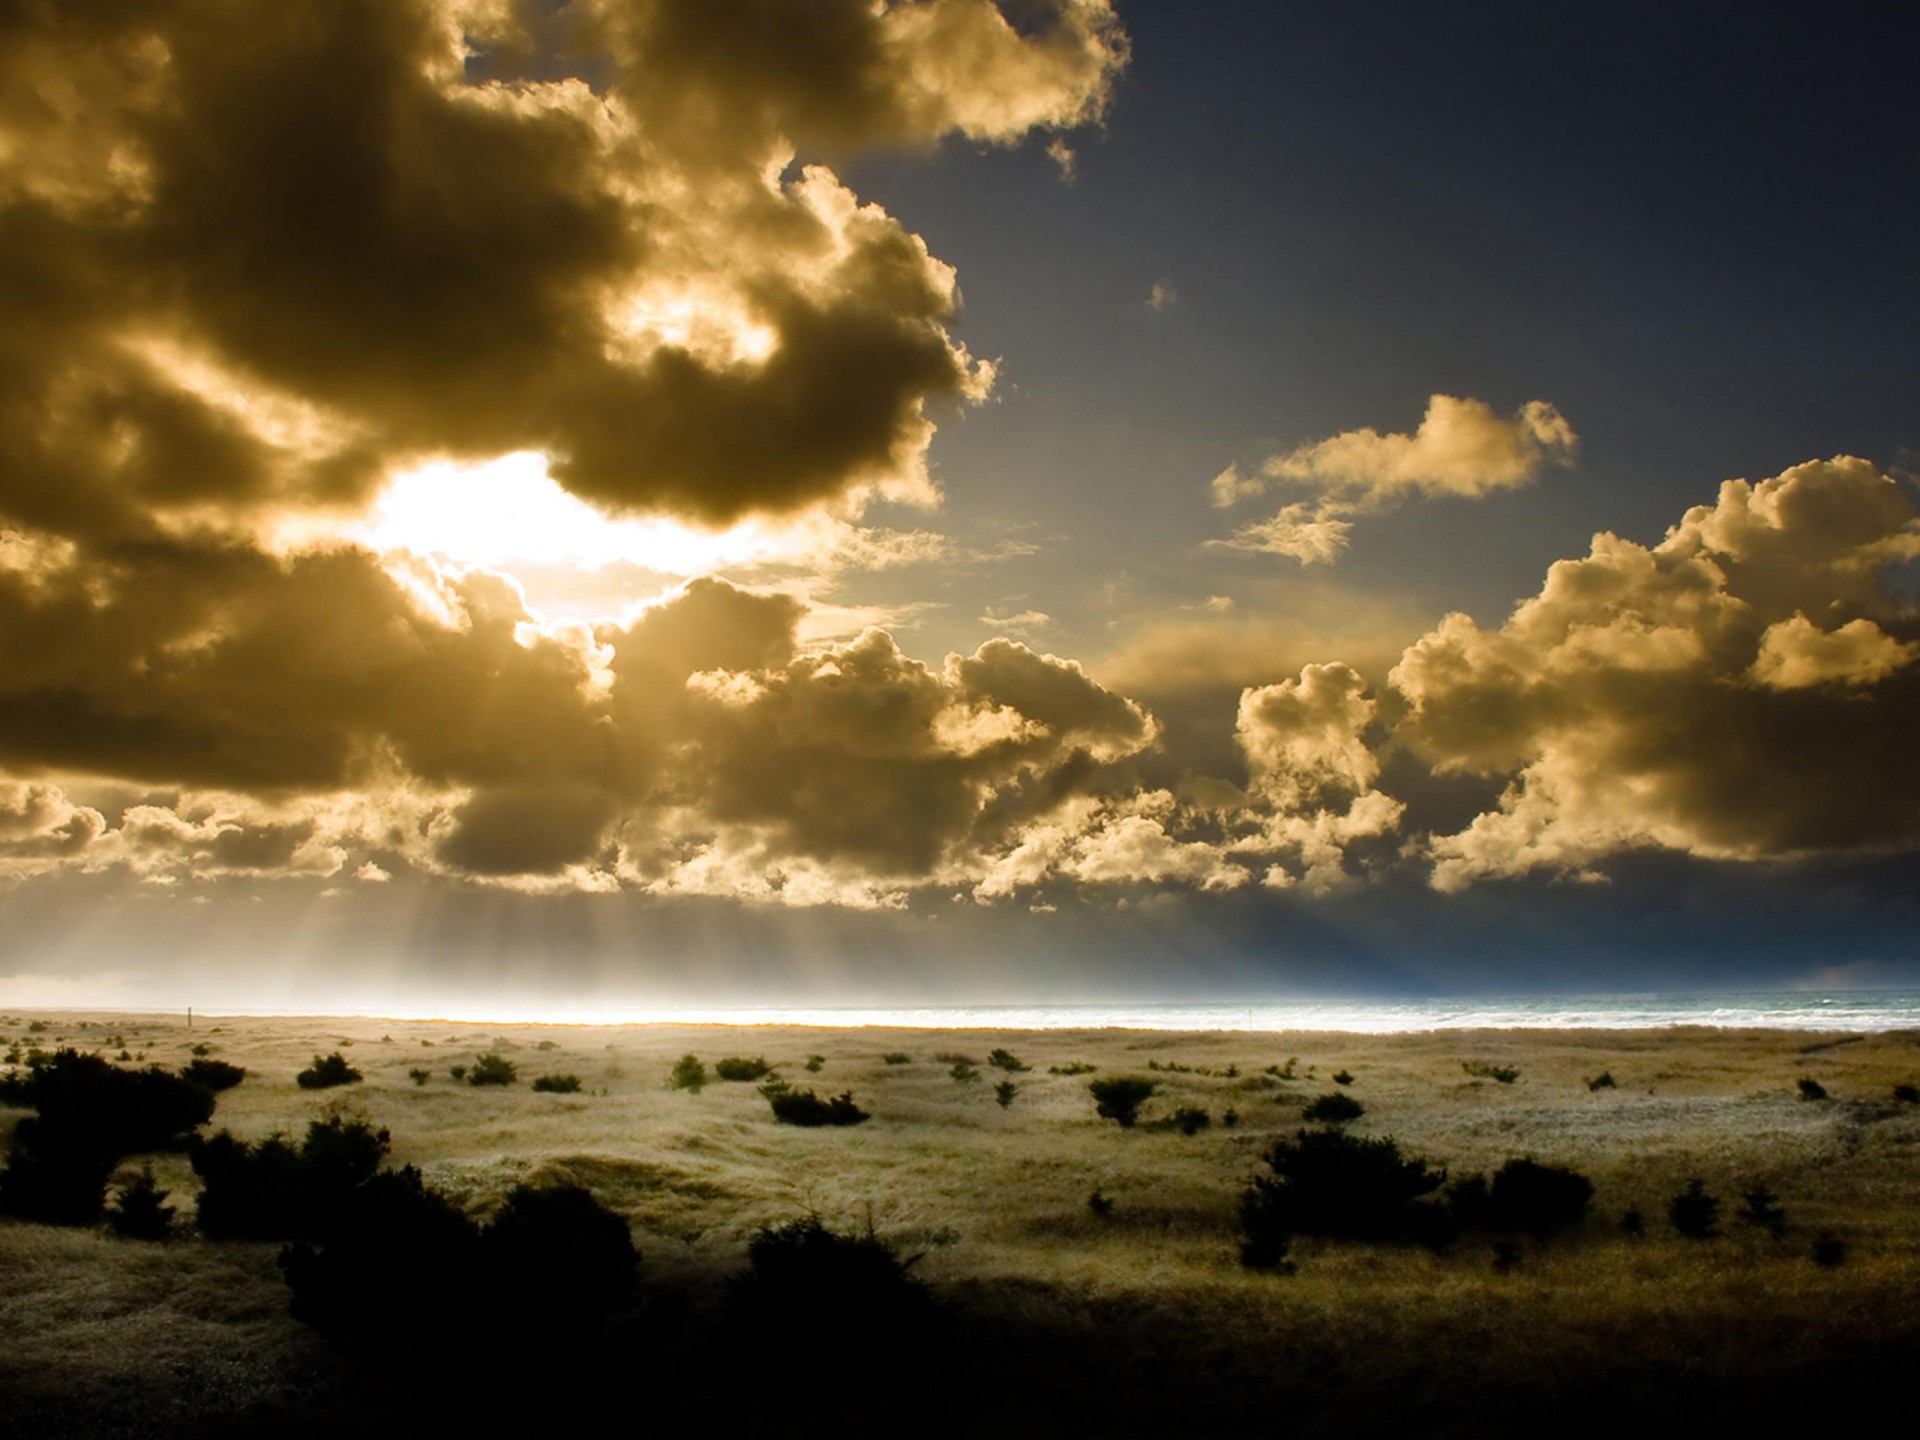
[1135, 1320]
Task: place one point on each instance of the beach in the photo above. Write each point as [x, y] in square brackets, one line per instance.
[105, 1336]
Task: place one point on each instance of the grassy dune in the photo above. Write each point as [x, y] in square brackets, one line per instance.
[1137, 1322]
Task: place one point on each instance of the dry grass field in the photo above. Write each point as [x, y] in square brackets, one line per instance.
[1142, 1321]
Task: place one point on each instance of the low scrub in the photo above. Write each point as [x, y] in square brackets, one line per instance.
[1008, 1061]
[1333, 1108]
[1004, 1092]
[139, 1211]
[1119, 1099]
[844, 1284]
[896, 1057]
[1487, 1070]
[215, 1075]
[1191, 1120]
[326, 1072]
[1072, 1067]
[1523, 1196]
[687, 1074]
[1694, 1212]
[803, 1107]
[1330, 1183]
[274, 1190]
[736, 1067]
[491, 1069]
[1811, 1089]
[557, 1084]
[1602, 1081]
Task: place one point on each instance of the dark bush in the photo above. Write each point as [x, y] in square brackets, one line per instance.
[1327, 1182]
[1811, 1089]
[215, 1075]
[1119, 1099]
[1487, 1070]
[1525, 1195]
[121, 1112]
[1829, 1250]
[815, 1064]
[1694, 1212]
[326, 1072]
[491, 1069]
[1190, 1120]
[897, 1057]
[557, 1084]
[419, 1077]
[272, 1190]
[1761, 1208]
[803, 1107]
[1907, 1094]
[1633, 1222]
[1006, 1060]
[1230, 1118]
[1602, 1081]
[140, 1211]
[1343, 1077]
[1004, 1092]
[963, 1073]
[687, 1074]
[845, 1284]
[558, 1251]
[1100, 1205]
[735, 1067]
[1506, 1257]
[1333, 1108]
[54, 1176]
[1072, 1067]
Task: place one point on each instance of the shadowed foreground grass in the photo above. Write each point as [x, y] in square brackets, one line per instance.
[1057, 1320]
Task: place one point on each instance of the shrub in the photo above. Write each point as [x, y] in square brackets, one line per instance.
[1523, 1196]
[215, 1075]
[736, 1067]
[1006, 1060]
[458, 1072]
[1907, 1094]
[1120, 1098]
[139, 1211]
[272, 1190]
[1327, 1182]
[1761, 1208]
[1333, 1108]
[687, 1074]
[845, 1284]
[558, 1251]
[1506, 1257]
[326, 1072]
[491, 1069]
[1072, 1067]
[557, 1084]
[1487, 1070]
[1191, 1120]
[1829, 1250]
[1230, 1118]
[803, 1107]
[1100, 1205]
[1633, 1222]
[1602, 1081]
[1343, 1077]
[200, 1052]
[1694, 1212]
[896, 1057]
[963, 1073]
[1283, 1072]
[954, 1057]
[54, 1176]
[419, 1077]
[1811, 1089]
[1004, 1092]
[815, 1063]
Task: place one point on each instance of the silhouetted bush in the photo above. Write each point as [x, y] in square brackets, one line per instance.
[1487, 1070]
[1190, 1120]
[1230, 1118]
[1633, 1222]
[687, 1074]
[1694, 1212]
[54, 1176]
[1907, 1094]
[1602, 1081]
[1327, 1182]
[1072, 1067]
[845, 1285]
[558, 1251]
[963, 1073]
[1523, 1196]
[736, 1067]
[1506, 1257]
[803, 1107]
[419, 1077]
[1343, 1077]
[1761, 1208]
[954, 1057]
[815, 1064]
[1119, 1099]
[1004, 1092]
[326, 1072]
[457, 1072]
[491, 1069]
[1811, 1089]
[139, 1211]
[272, 1190]
[557, 1084]
[1333, 1108]
[215, 1075]
[1006, 1060]
[1829, 1250]
[897, 1057]
[1100, 1205]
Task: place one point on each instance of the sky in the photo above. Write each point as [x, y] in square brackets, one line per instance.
[749, 501]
